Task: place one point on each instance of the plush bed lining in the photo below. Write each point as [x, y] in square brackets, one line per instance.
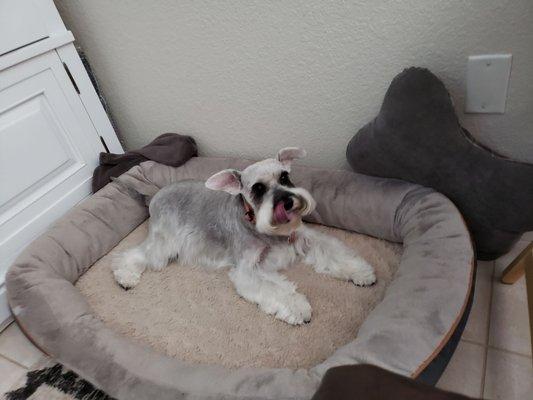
[195, 315]
[452, 329]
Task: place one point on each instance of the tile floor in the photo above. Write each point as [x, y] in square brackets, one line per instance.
[493, 359]
[17, 355]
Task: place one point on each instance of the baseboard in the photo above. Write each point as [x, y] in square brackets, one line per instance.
[5, 314]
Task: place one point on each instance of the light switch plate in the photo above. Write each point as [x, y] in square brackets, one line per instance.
[487, 81]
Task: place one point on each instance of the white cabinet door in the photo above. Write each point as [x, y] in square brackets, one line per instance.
[20, 25]
[48, 150]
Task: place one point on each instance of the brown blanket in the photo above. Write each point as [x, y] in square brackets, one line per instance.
[169, 149]
[367, 382]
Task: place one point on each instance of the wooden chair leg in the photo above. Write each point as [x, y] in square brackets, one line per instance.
[520, 265]
[529, 286]
[517, 268]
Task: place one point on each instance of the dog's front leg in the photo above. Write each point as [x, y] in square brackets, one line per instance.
[271, 291]
[330, 256]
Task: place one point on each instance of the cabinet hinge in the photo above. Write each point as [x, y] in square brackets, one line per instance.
[71, 79]
[104, 144]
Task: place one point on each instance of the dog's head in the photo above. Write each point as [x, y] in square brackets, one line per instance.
[266, 186]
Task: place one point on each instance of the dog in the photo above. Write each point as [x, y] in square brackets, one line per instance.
[251, 222]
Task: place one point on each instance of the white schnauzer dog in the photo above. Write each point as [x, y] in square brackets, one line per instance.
[250, 221]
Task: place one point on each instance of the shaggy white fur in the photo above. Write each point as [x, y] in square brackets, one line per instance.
[206, 227]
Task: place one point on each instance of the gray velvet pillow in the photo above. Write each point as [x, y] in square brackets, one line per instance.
[417, 137]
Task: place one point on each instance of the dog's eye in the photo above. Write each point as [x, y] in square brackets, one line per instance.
[284, 179]
[258, 189]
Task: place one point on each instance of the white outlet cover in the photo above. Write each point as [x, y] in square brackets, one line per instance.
[487, 81]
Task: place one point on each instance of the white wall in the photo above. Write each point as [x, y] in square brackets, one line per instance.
[248, 77]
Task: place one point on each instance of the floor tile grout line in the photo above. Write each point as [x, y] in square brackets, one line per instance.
[516, 353]
[470, 341]
[13, 361]
[487, 336]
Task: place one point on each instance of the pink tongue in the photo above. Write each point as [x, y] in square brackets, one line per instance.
[280, 214]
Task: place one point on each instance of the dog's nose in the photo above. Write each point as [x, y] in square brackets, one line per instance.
[288, 203]
[284, 197]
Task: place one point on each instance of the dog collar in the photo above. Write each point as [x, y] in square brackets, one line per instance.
[292, 237]
[249, 213]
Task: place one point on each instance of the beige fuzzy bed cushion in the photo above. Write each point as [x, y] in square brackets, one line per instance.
[195, 315]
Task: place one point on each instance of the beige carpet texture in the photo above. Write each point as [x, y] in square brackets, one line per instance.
[195, 315]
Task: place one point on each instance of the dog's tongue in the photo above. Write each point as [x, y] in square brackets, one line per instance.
[280, 214]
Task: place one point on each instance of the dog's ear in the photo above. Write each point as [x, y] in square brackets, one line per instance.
[228, 180]
[286, 155]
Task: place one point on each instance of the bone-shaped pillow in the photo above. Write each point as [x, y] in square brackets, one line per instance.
[417, 137]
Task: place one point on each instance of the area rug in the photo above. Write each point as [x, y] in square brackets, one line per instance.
[49, 380]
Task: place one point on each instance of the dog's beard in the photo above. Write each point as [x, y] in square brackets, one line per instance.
[266, 218]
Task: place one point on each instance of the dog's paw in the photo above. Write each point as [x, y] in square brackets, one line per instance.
[126, 278]
[363, 274]
[294, 309]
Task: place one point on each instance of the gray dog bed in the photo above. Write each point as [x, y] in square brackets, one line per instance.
[407, 332]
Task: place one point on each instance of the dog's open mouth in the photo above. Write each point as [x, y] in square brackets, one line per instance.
[284, 215]
[281, 215]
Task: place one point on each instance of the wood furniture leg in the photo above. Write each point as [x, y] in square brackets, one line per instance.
[520, 265]
[529, 284]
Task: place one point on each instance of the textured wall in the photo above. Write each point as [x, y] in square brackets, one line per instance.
[248, 77]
